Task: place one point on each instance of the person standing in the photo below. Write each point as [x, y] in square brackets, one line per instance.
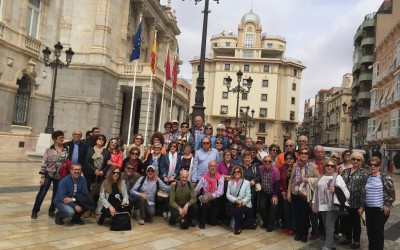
[289, 146]
[198, 129]
[53, 159]
[377, 201]
[203, 157]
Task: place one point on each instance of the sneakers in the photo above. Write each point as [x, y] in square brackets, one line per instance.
[52, 214]
[34, 215]
[141, 222]
[165, 215]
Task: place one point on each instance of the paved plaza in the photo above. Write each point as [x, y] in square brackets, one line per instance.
[18, 187]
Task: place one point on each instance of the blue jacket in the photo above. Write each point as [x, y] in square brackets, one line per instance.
[66, 189]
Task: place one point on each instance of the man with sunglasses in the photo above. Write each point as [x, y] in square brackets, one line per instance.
[260, 150]
[203, 157]
[198, 128]
[303, 142]
[270, 190]
[289, 147]
[130, 177]
[221, 135]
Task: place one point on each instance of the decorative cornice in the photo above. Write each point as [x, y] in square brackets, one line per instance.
[103, 27]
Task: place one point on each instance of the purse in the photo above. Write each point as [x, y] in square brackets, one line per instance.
[162, 194]
[303, 190]
[229, 205]
[258, 187]
[95, 187]
[121, 221]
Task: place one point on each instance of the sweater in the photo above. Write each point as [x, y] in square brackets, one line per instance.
[180, 195]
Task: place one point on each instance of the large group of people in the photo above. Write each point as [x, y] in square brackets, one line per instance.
[198, 175]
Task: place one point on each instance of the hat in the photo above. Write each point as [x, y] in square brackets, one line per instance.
[151, 167]
[175, 121]
[228, 119]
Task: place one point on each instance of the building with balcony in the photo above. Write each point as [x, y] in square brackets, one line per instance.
[275, 91]
[308, 120]
[96, 89]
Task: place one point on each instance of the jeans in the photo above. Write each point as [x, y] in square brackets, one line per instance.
[65, 211]
[329, 218]
[43, 191]
[375, 220]
[267, 210]
[314, 223]
[146, 210]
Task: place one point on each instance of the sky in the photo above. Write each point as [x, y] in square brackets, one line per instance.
[318, 32]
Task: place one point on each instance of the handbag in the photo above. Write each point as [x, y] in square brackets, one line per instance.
[95, 187]
[229, 205]
[162, 194]
[121, 221]
[258, 187]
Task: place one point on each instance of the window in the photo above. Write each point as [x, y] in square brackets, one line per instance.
[215, 44]
[1, 8]
[293, 100]
[228, 44]
[227, 66]
[244, 96]
[248, 54]
[225, 80]
[224, 110]
[246, 68]
[225, 95]
[269, 45]
[263, 112]
[264, 97]
[294, 72]
[32, 18]
[261, 127]
[266, 68]
[262, 138]
[248, 41]
[244, 82]
[294, 86]
[292, 115]
[265, 83]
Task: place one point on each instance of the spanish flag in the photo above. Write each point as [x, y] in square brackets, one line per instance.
[154, 57]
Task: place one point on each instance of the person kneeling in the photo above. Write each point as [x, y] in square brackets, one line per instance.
[65, 199]
[112, 189]
[182, 202]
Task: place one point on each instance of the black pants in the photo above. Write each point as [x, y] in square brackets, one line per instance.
[267, 209]
[352, 225]
[375, 220]
[193, 212]
[243, 217]
[209, 212]
[301, 215]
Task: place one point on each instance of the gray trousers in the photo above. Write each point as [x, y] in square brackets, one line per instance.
[146, 211]
[329, 219]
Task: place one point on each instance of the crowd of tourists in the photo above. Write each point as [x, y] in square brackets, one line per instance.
[199, 175]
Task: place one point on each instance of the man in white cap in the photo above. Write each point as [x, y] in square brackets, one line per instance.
[175, 127]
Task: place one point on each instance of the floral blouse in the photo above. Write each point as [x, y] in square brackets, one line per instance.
[355, 183]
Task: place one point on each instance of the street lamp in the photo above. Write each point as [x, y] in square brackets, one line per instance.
[245, 115]
[354, 111]
[198, 108]
[55, 64]
[238, 89]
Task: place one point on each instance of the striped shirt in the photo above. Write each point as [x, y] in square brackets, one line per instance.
[374, 192]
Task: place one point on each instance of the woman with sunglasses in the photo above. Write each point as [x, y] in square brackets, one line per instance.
[96, 160]
[274, 150]
[286, 172]
[236, 158]
[377, 201]
[137, 142]
[335, 157]
[229, 136]
[116, 154]
[324, 200]
[239, 193]
[134, 160]
[185, 161]
[346, 161]
[355, 179]
[251, 173]
[302, 181]
[184, 135]
[219, 146]
[221, 135]
[208, 132]
[113, 195]
[173, 158]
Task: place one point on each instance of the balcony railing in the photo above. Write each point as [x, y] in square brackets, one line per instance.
[371, 136]
[395, 131]
[32, 44]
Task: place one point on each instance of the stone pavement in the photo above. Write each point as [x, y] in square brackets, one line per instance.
[19, 184]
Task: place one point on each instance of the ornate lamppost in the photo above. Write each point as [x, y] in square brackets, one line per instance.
[55, 64]
[245, 115]
[198, 108]
[354, 111]
[238, 89]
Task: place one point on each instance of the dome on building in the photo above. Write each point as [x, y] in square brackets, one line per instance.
[251, 17]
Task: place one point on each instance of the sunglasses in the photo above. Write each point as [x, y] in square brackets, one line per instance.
[116, 173]
[239, 131]
[135, 153]
[101, 139]
[275, 150]
[303, 153]
[234, 149]
[113, 142]
[329, 166]
[218, 143]
[374, 165]
[356, 159]
[209, 128]
[129, 168]
[138, 138]
[220, 129]
[229, 132]
[289, 159]
[205, 143]
[259, 143]
[237, 172]
[150, 171]
[267, 161]
[335, 157]
[289, 146]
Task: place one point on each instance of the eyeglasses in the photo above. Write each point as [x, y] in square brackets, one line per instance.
[101, 139]
[373, 165]
[330, 166]
[129, 169]
[302, 141]
[220, 129]
[289, 159]
[184, 126]
[209, 128]
[150, 171]
[205, 143]
[356, 159]
[290, 146]
[116, 173]
[138, 138]
[157, 147]
[135, 153]
[267, 161]
[218, 142]
[234, 149]
[60, 137]
[237, 172]
[303, 153]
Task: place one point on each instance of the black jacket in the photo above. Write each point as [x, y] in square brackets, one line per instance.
[81, 152]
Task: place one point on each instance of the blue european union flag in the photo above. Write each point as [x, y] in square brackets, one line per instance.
[137, 40]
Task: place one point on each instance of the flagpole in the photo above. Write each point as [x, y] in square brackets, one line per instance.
[162, 97]
[149, 100]
[170, 108]
[133, 96]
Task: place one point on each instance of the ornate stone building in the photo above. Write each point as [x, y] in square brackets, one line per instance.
[96, 89]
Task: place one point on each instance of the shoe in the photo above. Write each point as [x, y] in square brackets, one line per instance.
[165, 215]
[34, 215]
[93, 214]
[141, 222]
[171, 222]
[86, 214]
[269, 230]
[58, 220]
[304, 239]
[202, 226]
[184, 224]
[290, 232]
[78, 221]
[345, 242]
[297, 238]
[238, 231]
[313, 237]
[192, 225]
[355, 245]
[52, 214]
[284, 231]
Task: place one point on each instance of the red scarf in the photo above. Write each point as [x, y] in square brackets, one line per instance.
[211, 182]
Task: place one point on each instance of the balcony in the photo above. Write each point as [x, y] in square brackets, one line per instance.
[358, 34]
[365, 76]
[32, 45]
[371, 136]
[355, 83]
[368, 23]
[368, 41]
[395, 131]
[385, 133]
[365, 114]
[356, 67]
[367, 59]
[364, 95]
[379, 135]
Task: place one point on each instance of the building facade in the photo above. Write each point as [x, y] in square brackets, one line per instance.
[274, 95]
[97, 88]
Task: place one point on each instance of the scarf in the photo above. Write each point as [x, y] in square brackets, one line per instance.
[235, 185]
[211, 182]
[301, 166]
[172, 163]
[98, 157]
